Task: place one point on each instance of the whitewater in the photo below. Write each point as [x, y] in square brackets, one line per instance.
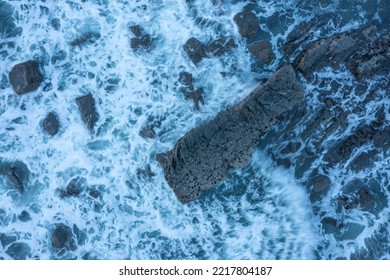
[125, 209]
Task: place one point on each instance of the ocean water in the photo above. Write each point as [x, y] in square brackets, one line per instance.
[123, 209]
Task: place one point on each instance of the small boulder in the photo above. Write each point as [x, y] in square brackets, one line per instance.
[25, 77]
[248, 24]
[143, 41]
[24, 216]
[262, 51]
[18, 251]
[51, 124]
[195, 50]
[89, 115]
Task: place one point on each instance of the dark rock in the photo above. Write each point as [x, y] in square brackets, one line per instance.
[186, 79]
[195, 95]
[18, 251]
[148, 131]
[363, 160]
[25, 77]
[16, 173]
[372, 60]
[136, 30]
[51, 124]
[74, 188]
[85, 38]
[202, 158]
[334, 51]
[195, 50]
[89, 115]
[343, 150]
[306, 30]
[220, 46]
[382, 138]
[62, 238]
[262, 51]
[248, 24]
[143, 41]
[24, 216]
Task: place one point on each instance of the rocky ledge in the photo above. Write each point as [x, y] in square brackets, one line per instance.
[202, 158]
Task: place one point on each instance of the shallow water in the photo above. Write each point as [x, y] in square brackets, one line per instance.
[260, 212]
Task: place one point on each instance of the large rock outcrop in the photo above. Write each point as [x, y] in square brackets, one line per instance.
[363, 51]
[203, 157]
[25, 77]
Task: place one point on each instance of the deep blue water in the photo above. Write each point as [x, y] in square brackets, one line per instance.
[263, 211]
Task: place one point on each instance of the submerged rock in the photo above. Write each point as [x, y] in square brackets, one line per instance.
[16, 173]
[248, 24]
[18, 251]
[62, 238]
[25, 77]
[195, 50]
[51, 124]
[148, 131]
[202, 158]
[262, 51]
[75, 187]
[85, 38]
[136, 30]
[195, 95]
[24, 216]
[88, 110]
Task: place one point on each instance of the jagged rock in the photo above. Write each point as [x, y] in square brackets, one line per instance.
[372, 60]
[202, 158]
[248, 24]
[220, 46]
[335, 50]
[145, 172]
[195, 95]
[143, 41]
[186, 79]
[51, 124]
[262, 51]
[195, 50]
[25, 77]
[148, 131]
[85, 38]
[305, 30]
[62, 238]
[16, 173]
[136, 30]
[75, 187]
[89, 115]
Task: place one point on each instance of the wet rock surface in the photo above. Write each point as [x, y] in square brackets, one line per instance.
[229, 138]
[262, 51]
[51, 124]
[362, 51]
[247, 23]
[25, 77]
[195, 50]
[88, 112]
[74, 188]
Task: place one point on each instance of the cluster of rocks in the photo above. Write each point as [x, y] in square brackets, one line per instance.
[141, 39]
[26, 77]
[203, 156]
[196, 50]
